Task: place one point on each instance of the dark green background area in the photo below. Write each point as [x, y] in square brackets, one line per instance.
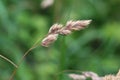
[96, 48]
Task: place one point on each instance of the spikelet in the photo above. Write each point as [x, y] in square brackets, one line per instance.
[64, 32]
[77, 77]
[85, 76]
[92, 75]
[77, 25]
[55, 28]
[49, 40]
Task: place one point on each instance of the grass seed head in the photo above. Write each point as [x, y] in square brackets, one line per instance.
[57, 29]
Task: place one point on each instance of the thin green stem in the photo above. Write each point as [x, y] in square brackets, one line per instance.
[9, 61]
[20, 62]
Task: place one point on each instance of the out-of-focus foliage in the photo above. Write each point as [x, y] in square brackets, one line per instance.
[97, 48]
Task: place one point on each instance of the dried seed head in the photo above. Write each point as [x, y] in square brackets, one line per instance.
[59, 29]
[49, 39]
[55, 28]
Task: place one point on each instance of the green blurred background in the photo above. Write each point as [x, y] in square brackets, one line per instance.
[97, 48]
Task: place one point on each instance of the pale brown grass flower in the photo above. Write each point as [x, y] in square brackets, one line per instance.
[57, 29]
